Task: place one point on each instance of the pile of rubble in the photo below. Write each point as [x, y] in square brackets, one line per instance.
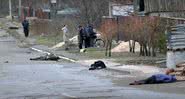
[124, 47]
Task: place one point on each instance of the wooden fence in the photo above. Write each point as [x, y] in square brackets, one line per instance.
[120, 23]
[164, 5]
[149, 31]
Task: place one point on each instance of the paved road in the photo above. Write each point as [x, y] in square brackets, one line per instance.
[21, 78]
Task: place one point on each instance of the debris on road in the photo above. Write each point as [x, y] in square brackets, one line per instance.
[124, 47]
[47, 57]
[82, 50]
[13, 27]
[180, 69]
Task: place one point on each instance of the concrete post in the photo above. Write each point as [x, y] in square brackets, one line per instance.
[10, 8]
[110, 9]
[171, 60]
[19, 9]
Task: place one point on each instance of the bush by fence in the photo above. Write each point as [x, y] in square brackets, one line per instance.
[149, 31]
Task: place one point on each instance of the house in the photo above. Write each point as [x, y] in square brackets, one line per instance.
[35, 8]
[162, 8]
[172, 10]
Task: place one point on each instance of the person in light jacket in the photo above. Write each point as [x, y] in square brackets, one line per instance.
[65, 36]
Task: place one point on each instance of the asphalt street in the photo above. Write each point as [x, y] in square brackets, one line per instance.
[21, 78]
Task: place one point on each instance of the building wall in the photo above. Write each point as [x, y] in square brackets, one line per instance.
[168, 14]
[164, 5]
[163, 8]
[36, 3]
[175, 58]
[122, 1]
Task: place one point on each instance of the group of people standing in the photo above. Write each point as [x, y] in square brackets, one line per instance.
[86, 36]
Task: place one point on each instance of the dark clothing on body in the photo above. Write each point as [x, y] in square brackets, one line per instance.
[87, 42]
[81, 38]
[97, 65]
[90, 36]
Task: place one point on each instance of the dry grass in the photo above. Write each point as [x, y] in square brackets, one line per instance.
[123, 57]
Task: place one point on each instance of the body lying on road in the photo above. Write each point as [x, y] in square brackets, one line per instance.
[158, 78]
[47, 57]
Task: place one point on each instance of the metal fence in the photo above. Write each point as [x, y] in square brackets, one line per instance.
[176, 38]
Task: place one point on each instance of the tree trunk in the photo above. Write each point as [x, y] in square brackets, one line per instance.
[133, 46]
[130, 46]
[86, 12]
[106, 48]
[145, 50]
[149, 50]
[141, 49]
[110, 47]
[153, 52]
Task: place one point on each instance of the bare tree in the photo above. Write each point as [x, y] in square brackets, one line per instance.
[90, 11]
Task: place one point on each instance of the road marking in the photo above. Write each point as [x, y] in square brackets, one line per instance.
[69, 96]
[62, 57]
[41, 51]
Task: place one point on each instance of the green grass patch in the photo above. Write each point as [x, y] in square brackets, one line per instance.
[48, 40]
[1, 25]
[93, 53]
[122, 58]
[135, 59]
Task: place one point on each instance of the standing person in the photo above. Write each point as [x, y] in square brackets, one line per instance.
[25, 25]
[92, 35]
[65, 36]
[87, 37]
[81, 39]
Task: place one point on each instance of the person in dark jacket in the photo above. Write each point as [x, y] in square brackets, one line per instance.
[81, 39]
[92, 35]
[25, 25]
[87, 37]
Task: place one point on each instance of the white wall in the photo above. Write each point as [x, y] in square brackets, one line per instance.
[174, 58]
